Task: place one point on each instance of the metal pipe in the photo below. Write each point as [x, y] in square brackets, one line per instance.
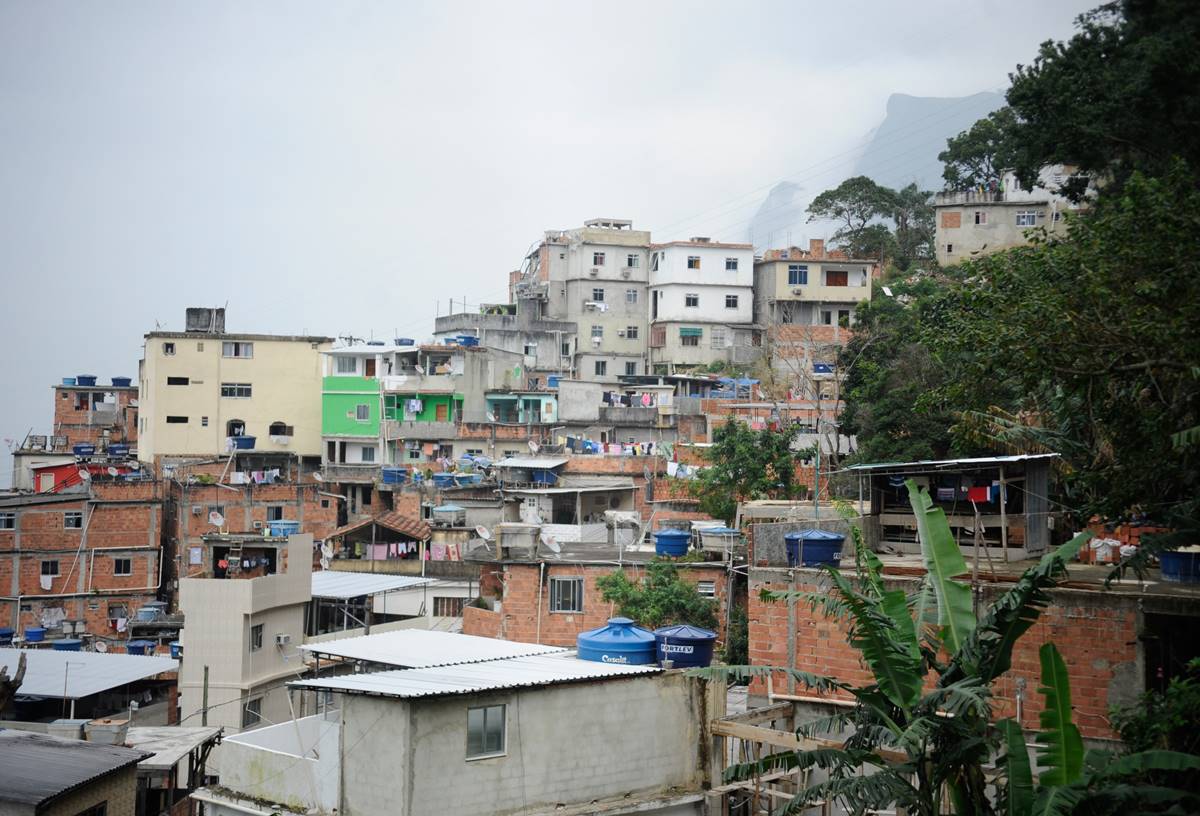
[541, 583]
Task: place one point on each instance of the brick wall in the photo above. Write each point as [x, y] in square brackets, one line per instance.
[1097, 634]
[521, 608]
[118, 790]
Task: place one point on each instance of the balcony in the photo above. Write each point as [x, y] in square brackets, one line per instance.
[351, 472]
[410, 382]
[394, 429]
[650, 417]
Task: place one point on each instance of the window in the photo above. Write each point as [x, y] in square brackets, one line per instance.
[566, 594]
[237, 349]
[689, 340]
[719, 337]
[693, 262]
[949, 249]
[122, 566]
[843, 317]
[530, 349]
[632, 261]
[837, 277]
[238, 390]
[598, 295]
[235, 427]
[631, 332]
[485, 731]
[601, 368]
[168, 349]
[368, 454]
[256, 637]
[691, 300]
[116, 611]
[630, 369]
[1057, 216]
[176, 420]
[8, 521]
[49, 568]
[414, 455]
[448, 607]
[95, 810]
[827, 317]
[280, 429]
[200, 347]
[73, 520]
[1026, 218]
[362, 413]
[797, 275]
[252, 713]
[274, 512]
[731, 301]
[731, 264]
[631, 296]
[203, 422]
[177, 381]
[707, 589]
[566, 349]
[980, 217]
[654, 262]
[597, 331]
[597, 259]
[345, 365]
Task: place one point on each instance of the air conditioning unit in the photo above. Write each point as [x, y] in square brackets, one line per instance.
[595, 341]
[282, 639]
[797, 292]
[594, 271]
[197, 509]
[258, 525]
[620, 333]
[626, 272]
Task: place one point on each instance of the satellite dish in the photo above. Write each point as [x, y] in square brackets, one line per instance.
[483, 532]
[326, 554]
[419, 369]
[216, 519]
[887, 291]
[101, 646]
[551, 545]
[84, 474]
[134, 465]
[112, 471]
[317, 477]
[533, 446]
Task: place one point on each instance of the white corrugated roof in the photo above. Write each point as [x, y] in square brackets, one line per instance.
[517, 672]
[88, 672]
[424, 648]
[338, 584]
[544, 463]
[933, 464]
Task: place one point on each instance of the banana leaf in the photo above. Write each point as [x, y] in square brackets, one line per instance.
[944, 561]
[1060, 747]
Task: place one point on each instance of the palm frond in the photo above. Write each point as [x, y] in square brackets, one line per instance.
[1017, 795]
[816, 682]
[1060, 747]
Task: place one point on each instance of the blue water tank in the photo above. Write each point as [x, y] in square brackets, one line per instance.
[443, 479]
[812, 548]
[1180, 567]
[283, 527]
[685, 646]
[68, 380]
[619, 641]
[119, 450]
[468, 340]
[553, 380]
[68, 645]
[395, 475]
[140, 647]
[85, 379]
[244, 442]
[84, 449]
[122, 382]
[6, 636]
[176, 649]
[672, 542]
[34, 634]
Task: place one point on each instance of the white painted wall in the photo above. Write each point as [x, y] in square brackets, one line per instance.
[672, 265]
[711, 308]
[290, 763]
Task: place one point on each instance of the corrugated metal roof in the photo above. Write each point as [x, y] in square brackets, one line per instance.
[47, 671]
[543, 463]
[934, 464]
[343, 585]
[35, 768]
[495, 675]
[424, 648]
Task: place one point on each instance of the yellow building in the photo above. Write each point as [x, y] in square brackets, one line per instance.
[201, 387]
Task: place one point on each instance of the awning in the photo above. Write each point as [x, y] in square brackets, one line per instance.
[686, 332]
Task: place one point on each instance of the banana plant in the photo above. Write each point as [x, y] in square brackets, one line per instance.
[1072, 781]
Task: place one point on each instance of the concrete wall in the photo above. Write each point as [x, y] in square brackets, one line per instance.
[710, 308]
[220, 614]
[959, 238]
[118, 790]
[579, 400]
[567, 745]
[287, 763]
[285, 375]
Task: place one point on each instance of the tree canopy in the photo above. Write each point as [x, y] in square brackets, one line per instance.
[980, 154]
[660, 598]
[877, 221]
[745, 464]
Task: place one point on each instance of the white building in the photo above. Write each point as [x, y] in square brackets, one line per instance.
[484, 733]
[701, 304]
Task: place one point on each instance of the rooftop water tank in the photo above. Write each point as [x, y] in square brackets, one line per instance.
[85, 379]
[672, 542]
[1181, 566]
[140, 647]
[67, 645]
[720, 539]
[404, 341]
[449, 515]
[68, 380]
[118, 450]
[6, 636]
[395, 475]
[283, 527]
[34, 634]
[812, 548]
[84, 449]
[619, 641]
[122, 382]
[685, 646]
[244, 442]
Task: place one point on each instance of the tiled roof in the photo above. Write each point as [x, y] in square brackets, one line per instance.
[396, 522]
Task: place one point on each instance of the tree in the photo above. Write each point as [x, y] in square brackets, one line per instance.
[855, 203]
[979, 156]
[911, 210]
[660, 598]
[919, 741]
[1121, 96]
[745, 464]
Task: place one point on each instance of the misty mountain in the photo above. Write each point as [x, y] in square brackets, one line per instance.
[903, 149]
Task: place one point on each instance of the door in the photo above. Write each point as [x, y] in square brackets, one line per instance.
[370, 361]
[441, 412]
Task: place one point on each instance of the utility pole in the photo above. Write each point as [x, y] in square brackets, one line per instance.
[204, 700]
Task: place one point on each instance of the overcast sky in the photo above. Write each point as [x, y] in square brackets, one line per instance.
[346, 167]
